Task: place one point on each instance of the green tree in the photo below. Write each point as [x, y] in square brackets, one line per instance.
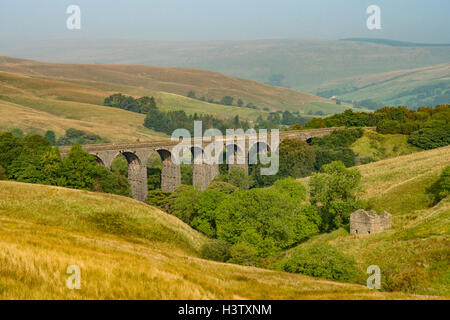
[333, 191]
[240, 103]
[205, 219]
[431, 137]
[321, 260]
[11, 147]
[227, 100]
[51, 166]
[191, 94]
[441, 188]
[266, 219]
[183, 203]
[297, 158]
[51, 137]
[80, 169]
[111, 182]
[3, 174]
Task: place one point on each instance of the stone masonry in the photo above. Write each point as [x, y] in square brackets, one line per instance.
[368, 222]
[138, 154]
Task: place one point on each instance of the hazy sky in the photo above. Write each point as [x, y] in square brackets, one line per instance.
[187, 20]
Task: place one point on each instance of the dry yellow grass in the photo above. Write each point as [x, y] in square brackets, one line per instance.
[45, 229]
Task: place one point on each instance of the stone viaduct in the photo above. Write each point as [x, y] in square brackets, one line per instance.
[138, 153]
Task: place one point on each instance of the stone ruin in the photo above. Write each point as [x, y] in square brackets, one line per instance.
[368, 222]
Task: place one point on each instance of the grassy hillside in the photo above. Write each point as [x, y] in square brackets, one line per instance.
[412, 87]
[300, 63]
[177, 81]
[127, 250]
[414, 255]
[374, 146]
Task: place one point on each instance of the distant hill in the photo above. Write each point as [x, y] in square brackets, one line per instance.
[396, 43]
[411, 87]
[180, 81]
[302, 64]
[36, 97]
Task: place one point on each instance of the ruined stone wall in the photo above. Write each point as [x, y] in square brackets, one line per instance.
[368, 222]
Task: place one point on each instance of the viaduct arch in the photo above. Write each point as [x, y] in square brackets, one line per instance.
[137, 155]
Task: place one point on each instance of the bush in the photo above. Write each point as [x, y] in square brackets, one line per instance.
[223, 187]
[326, 155]
[430, 138]
[291, 187]
[10, 147]
[113, 182]
[3, 174]
[244, 254]
[265, 218]
[205, 215]
[323, 261]
[158, 198]
[216, 250]
[183, 203]
[441, 188]
[297, 158]
[114, 222]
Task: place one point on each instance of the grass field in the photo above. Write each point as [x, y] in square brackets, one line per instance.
[414, 255]
[127, 250]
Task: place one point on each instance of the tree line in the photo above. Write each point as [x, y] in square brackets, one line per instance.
[32, 159]
[427, 127]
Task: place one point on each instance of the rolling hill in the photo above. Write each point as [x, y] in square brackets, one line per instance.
[37, 97]
[414, 255]
[303, 64]
[177, 81]
[127, 250]
[412, 87]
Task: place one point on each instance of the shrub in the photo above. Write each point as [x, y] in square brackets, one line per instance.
[216, 250]
[291, 187]
[244, 254]
[183, 204]
[430, 138]
[297, 158]
[323, 261]
[265, 218]
[79, 169]
[113, 182]
[158, 198]
[10, 147]
[114, 222]
[325, 155]
[239, 178]
[205, 215]
[223, 187]
[441, 188]
[3, 174]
